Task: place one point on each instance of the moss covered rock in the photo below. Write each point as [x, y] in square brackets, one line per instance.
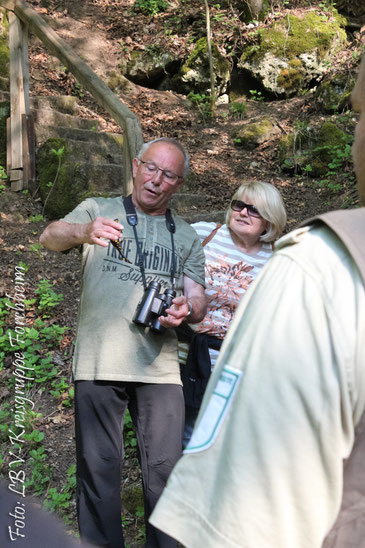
[253, 134]
[331, 145]
[294, 51]
[315, 152]
[149, 66]
[194, 75]
[334, 93]
[64, 182]
[295, 150]
[4, 47]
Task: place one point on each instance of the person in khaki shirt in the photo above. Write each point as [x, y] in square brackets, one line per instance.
[120, 360]
[285, 404]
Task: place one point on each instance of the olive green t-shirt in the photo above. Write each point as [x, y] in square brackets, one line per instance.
[109, 346]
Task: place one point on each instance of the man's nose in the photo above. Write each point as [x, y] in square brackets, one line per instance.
[157, 177]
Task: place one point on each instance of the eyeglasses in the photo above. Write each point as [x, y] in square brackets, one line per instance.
[169, 177]
[239, 205]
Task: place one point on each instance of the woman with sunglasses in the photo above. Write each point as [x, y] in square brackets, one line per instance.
[235, 252]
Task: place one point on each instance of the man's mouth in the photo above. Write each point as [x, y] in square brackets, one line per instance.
[151, 191]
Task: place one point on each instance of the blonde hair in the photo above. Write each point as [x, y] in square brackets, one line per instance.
[269, 203]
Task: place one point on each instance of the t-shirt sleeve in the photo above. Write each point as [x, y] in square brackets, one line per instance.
[85, 212]
[195, 262]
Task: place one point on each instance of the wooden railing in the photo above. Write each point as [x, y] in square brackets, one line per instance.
[21, 18]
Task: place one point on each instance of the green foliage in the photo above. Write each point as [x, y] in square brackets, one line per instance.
[62, 389]
[256, 95]
[36, 347]
[60, 500]
[3, 176]
[307, 169]
[5, 417]
[339, 156]
[59, 153]
[35, 436]
[238, 109]
[129, 432]
[35, 218]
[47, 297]
[40, 472]
[24, 266]
[38, 340]
[203, 103]
[37, 248]
[78, 90]
[151, 7]
[4, 55]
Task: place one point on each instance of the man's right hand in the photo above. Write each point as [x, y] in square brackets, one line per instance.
[60, 235]
[101, 230]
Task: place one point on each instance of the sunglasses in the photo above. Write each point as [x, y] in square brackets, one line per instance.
[239, 205]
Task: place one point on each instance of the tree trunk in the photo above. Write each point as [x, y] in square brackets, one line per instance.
[255, 6]
[211, 68]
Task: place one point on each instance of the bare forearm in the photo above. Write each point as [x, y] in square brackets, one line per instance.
[195, 295]
[59, 235]
[198, 308]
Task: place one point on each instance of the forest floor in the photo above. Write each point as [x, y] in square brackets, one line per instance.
[219, 167]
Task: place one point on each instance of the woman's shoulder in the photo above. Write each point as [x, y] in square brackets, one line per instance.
[204, 228]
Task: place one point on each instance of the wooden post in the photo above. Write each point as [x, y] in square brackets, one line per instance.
[28, 152]
[128, 121]
[8, 148]
[19, 98]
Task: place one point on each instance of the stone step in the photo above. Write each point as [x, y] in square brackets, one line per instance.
[66, 104]
[48, 117]
[44, 132]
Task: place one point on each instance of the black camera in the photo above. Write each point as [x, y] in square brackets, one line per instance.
[152, 305]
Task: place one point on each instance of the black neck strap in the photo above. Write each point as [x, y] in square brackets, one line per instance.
[132, 220]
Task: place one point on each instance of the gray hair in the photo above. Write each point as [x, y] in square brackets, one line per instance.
[269, 203]
[173, 142]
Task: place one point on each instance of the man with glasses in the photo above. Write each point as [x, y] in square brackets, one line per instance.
[277, 457]
[131, 246]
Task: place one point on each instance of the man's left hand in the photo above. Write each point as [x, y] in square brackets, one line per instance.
[176, 313]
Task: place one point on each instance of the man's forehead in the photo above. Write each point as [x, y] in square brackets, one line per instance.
[164, 146]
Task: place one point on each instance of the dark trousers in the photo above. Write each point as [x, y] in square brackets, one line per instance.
[191, 414]
[157, 411]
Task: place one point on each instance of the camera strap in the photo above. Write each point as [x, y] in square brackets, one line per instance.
[132, 220]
